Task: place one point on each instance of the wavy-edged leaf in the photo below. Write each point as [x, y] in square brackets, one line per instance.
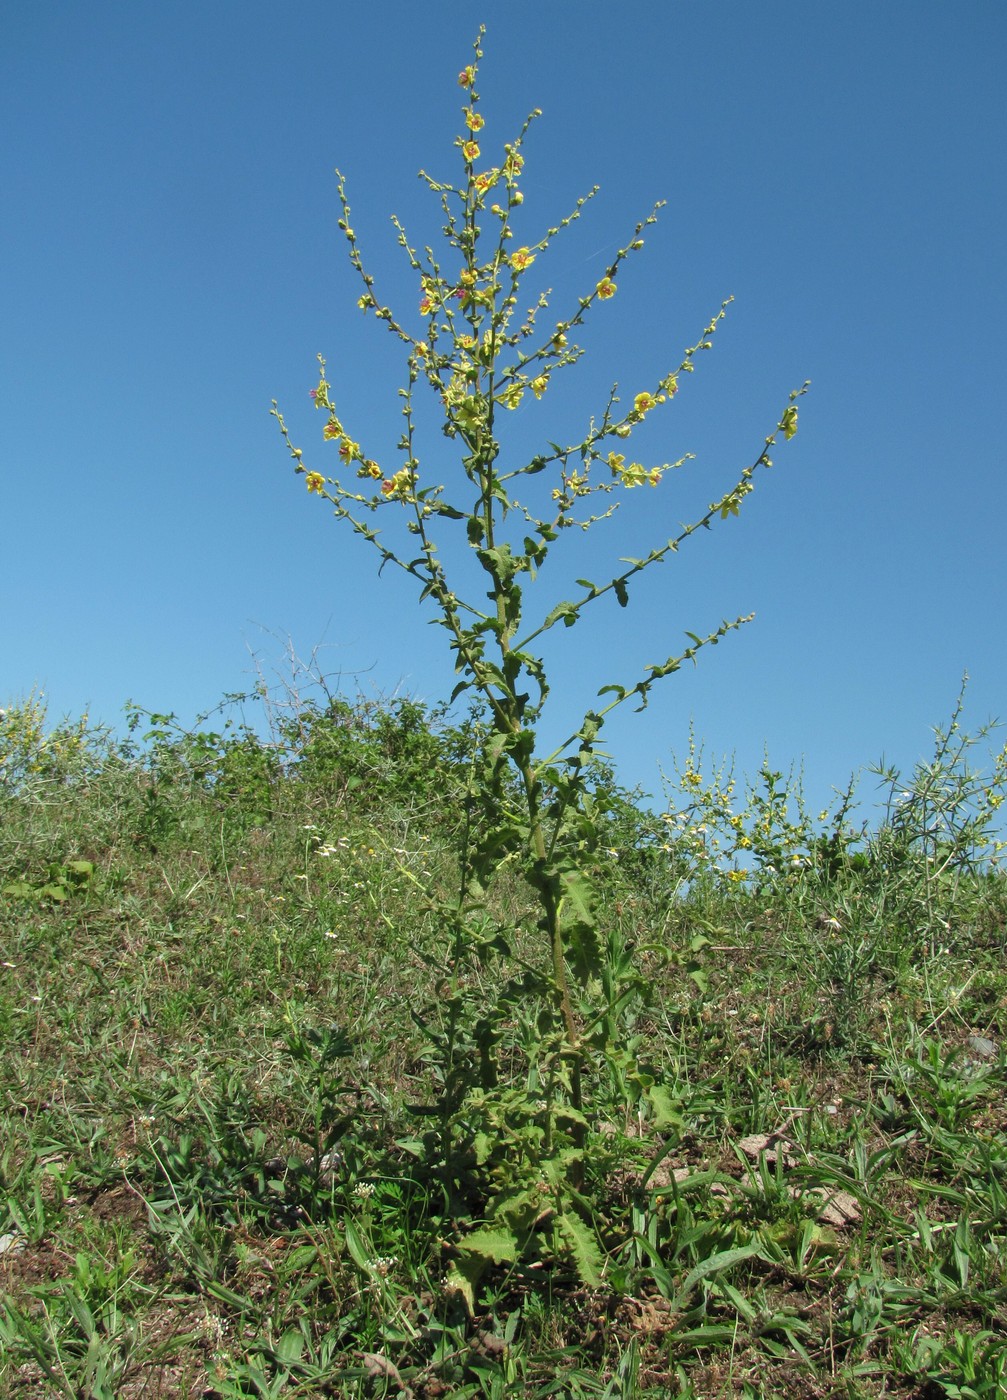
[568, 612]
[582, 1243]
[664, 1107]
[490, 1242]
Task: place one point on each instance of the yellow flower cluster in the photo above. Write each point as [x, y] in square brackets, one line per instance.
[512, 396]
[635, 473]
[731, 503]
[574, 485]
[400, 486]
[349, 451]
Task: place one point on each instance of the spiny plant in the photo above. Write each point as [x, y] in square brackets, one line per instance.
[521, 1061]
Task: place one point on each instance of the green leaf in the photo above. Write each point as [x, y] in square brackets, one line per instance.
[491, 1242]
[356, 1246]
[79, 872]
[664, 1107]
[589, 730]
[578, 893]
[19, 890]
[290, 1347]
[463, 1278]
[699, 975]
[582, 1243]
[580, 932]
[567, 611]
[715, 1264]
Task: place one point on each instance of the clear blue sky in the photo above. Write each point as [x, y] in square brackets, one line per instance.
[170, 263]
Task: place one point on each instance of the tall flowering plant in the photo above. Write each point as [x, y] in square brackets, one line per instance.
[522, 1145]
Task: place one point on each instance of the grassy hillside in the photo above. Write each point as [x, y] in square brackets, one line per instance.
[225, 996]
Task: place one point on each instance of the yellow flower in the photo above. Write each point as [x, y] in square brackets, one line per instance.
[605, 288]
[522, 258]
[333, 429]
[643, 403]
[467, 77]
[315, 482]
[616, 460]
[400, 486]
[422, 349]
[486, 181]
[538, 386]
[474, 120]
[514, 163]
[427, 306]
[470, 150]
[654, 476]
[349, 450]
[634, 475]
[512, 395]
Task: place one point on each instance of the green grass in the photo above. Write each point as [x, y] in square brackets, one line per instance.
[220, 977]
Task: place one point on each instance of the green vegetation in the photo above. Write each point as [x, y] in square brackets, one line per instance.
[225, 1008]
[389, 1055]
